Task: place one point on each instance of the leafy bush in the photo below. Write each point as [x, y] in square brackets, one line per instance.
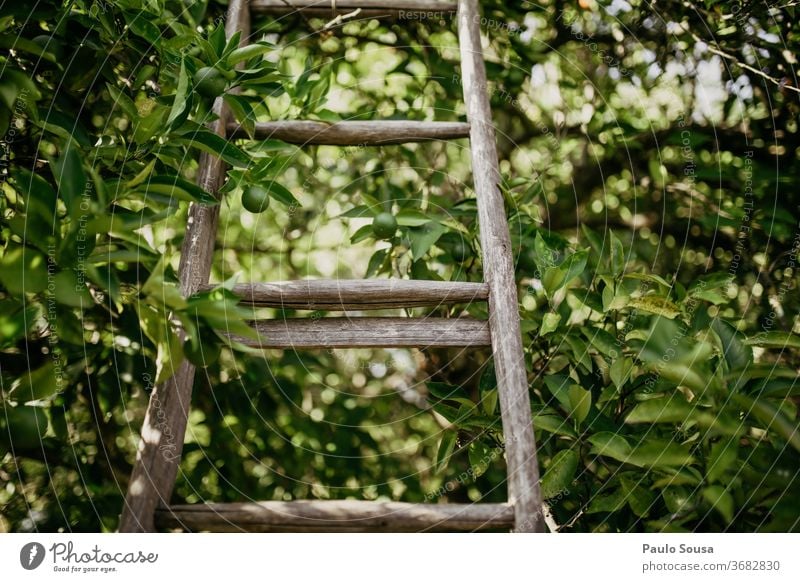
[655, 246]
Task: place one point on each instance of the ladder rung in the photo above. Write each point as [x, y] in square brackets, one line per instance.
[341, 516]
[354, 133]
[356, 332]
[342, 294]
[370, 8]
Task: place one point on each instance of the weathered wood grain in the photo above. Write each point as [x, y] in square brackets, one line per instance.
[339, 516]
[359, 332]
[410, 9]
[161, 444]
[353, 133]
[498, 268]
[343, 294]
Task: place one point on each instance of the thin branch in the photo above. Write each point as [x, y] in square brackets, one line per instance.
[714, 48]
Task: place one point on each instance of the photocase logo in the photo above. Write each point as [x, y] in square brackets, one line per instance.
[31, 555]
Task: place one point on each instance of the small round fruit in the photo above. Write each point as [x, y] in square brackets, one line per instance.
[202, 354]
[384, 225]
[456, 246]
[210, 82]
[255, 199]
[461, 251]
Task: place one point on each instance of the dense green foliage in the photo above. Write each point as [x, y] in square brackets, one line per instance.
[650, 163]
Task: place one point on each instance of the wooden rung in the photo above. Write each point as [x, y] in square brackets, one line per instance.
[343, 295]
[379, 332]
[340, 516]
[418, 9]
[354, 133]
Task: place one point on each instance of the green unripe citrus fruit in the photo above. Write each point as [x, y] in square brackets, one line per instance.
[384, 225]
[456, 246]
[255, 199]
[210, 82]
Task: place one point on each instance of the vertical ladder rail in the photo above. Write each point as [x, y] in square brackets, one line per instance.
[161, 445]
[515, 408]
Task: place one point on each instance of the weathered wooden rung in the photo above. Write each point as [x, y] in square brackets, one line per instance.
[354, 133]
[411, 9]
[378, 332]
[339, 516]
[343, 295]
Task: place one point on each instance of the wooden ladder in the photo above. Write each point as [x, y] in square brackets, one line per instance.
[147, 502]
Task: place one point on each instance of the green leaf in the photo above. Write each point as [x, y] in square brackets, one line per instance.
[488, 390]
[71, 179]
[617, 256]
[550, 323]
[573, 266]
[15, 321]
[607, 503]
[282, 194]
[480, 457]
[720, 500]
[424, 237]
[444, 391]
[660, 454]
[176, 187]
[363, 233]
[657, 305]
[69, 290]
[248, 52]
[40, 384]
[560, 473]
[550, 421]
[610, 444]
[594, 239]
[159, 289]
[24, 270]
[211, 143]
[40, 198]
[580, 402]
[26, 426]
[544, 256]
[737, 354]
[620, 371]
[181, 91]
[169, 349]
[412, 218]
[243, 112]
[143, 174]
[639, 498]
[122, 101]
[723, 455]
[362, 211]
[217, 39]
[672, 408]
[446, 447]
[376, 261]
[552, 280]
[603, 342]
[677, 499]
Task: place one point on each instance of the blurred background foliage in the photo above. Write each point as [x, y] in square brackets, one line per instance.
[650, 158]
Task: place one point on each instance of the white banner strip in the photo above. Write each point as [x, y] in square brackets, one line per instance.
[400, 557]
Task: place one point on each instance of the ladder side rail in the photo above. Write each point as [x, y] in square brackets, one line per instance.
[161, 444]
[515, 408]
